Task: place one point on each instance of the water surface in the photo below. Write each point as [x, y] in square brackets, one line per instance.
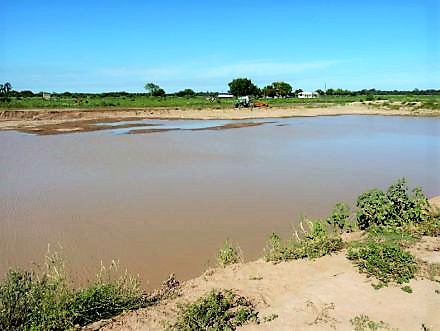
[164, 202]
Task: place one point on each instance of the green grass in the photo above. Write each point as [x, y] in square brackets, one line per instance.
[44, 299]
[217, 310]
[314, 242]
[229, 254]
[415, 102]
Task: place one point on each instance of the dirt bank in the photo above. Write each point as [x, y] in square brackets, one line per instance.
[49, 121]
[321, 294]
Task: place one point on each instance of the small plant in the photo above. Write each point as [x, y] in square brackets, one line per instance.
[110, 295]
[229, 254]
[407, 289]
[340, 218]
[218, 310]
[270, 318]
[387, 262]
[313, 243]
[364, 323]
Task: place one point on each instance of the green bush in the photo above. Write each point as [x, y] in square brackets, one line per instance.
[385, 261]
[395, 207]
[228, 254]
[218, 310]
[340, 218]
[108, 296]
[43, 299]
[315, 242]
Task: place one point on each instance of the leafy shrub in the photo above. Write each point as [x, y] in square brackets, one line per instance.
[29, 300]
[218, 310]
[228, 254]
[316, 242]
[395, 207]
[109, 295]
[43, 299]
[385, 261]
[340, 218]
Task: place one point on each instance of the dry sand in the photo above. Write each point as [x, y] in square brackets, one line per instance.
[321, 294]
[48, 121]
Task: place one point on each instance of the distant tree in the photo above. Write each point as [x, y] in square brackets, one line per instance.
[298, 91]
[186, 93]
[282, 89]
[269, 91]
[320, 92]
[243, 86]
[154, 90]
[5, 90]
[330, 91]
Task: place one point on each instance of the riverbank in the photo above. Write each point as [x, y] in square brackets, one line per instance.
[52, 121]
[327, 293]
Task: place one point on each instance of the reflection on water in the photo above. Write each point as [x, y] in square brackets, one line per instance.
[163, 203]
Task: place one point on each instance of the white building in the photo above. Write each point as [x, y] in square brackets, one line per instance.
[225, 96]
[307, 95]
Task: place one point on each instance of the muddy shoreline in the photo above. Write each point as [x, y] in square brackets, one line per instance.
[55, 121]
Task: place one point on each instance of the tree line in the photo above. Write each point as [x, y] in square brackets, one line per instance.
[237, 87]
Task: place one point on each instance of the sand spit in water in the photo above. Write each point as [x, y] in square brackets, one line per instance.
[52, 121]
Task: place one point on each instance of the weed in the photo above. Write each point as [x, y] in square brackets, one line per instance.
[322, 314]
[364, 323]
[43, 299]
[315, 242]
[270, 318]
[229, 254]
[392, 235]
[407, 289]
[385, 261]
[218, 310]
[340, 218]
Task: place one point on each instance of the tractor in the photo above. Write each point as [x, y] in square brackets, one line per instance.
[246, 102]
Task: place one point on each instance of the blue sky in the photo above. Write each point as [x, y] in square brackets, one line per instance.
[107, 45]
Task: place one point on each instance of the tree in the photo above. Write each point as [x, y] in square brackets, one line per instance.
[154, 90]
[269, 91]
[320, 92]
[186, 93]
[298, 91]
[282, 89]
[5, 90]
[242, 86]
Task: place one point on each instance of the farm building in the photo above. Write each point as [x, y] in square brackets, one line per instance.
[225, 96]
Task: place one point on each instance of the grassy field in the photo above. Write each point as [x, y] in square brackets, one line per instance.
[140, 101]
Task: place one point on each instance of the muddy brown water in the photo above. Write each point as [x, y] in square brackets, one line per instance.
[163, 202]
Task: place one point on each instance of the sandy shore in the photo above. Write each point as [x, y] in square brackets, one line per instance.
[48, 121]
[321, 294]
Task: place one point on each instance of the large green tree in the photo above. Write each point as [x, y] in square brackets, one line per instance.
[242, 86]
[277, 89]
[154, 90]
[282, 89]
